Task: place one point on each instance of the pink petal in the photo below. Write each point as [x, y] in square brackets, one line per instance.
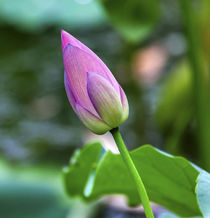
[77, 63]
[69, 92]
[69, 39]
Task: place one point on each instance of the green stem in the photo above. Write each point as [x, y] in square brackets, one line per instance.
[133, 171]
[198, 79]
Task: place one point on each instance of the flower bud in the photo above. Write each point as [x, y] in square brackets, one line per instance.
[92, 90]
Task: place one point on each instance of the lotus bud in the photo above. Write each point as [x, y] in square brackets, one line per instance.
[92, 90]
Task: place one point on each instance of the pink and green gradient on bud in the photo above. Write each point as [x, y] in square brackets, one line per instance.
[92, 90]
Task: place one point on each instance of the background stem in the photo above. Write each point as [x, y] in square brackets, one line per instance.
[199, 80]
[133, 171]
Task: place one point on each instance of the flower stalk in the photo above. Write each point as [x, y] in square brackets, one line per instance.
[133, 171]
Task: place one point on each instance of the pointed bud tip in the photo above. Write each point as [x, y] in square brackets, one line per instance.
[65, 38]
[64, 33]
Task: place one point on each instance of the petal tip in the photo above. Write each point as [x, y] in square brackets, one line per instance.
[65, 39]
[93, 123]
[105, 99]
[63, 31]
[89, 74]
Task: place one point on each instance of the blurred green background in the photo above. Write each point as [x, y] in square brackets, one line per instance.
[143, 44]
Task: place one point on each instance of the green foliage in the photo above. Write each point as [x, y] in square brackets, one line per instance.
[170, 181]
[36, 14]
[200, 79]
[134, 19]
[176, 91]
[36, 192]
[18, 200]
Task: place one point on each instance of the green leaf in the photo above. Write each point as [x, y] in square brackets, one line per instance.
[82, 165]
[203, 193]
[170, 181]
[134, 19]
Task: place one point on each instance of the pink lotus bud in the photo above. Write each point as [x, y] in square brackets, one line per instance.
[92, 90]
